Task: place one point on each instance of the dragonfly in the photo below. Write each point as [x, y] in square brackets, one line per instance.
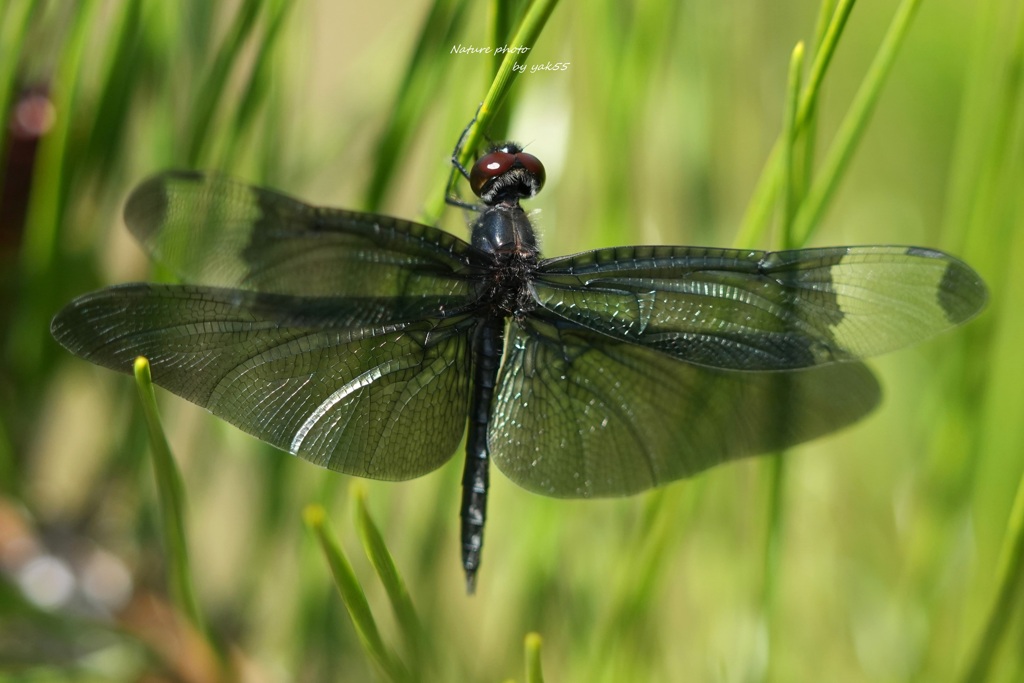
[372, 345]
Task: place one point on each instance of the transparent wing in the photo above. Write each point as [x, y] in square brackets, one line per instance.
[214, 231]
[349, 384]
[756, 310]
[578, 414]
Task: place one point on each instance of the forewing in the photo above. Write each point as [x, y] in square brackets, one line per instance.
[755, 310]
[349, 384]
[214, 231]
[577, 414]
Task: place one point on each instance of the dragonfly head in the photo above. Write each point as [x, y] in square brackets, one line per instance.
[506, 174]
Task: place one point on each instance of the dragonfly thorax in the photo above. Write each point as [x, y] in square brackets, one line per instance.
[506, 289]
[504, 231]
[505, 228]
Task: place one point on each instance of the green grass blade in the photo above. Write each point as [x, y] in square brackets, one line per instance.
[985, 211]
[854, 124]
[171, 496]
[641, 578]
[423, 72]
[772, 554]
[108, 130]
[529, 31]
[352, 595]
[1009, 591]
[50, 182]
[384, 564]
[788, 199]
[9, 481]
[777, 462]
[534, 671]
[211, 91]
[15, 18]
[822, 59]
[258, 85]
[986, 146]
[807, 136]
[759, 211]
[502, 18]
[49, 196]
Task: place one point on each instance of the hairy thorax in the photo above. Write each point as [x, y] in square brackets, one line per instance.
[506, 288]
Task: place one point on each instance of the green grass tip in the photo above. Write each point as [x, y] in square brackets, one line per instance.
[141, 369]
[314, 515]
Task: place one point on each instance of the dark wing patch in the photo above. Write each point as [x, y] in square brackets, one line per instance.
[211, 230]
[755, 310]
[351, 385]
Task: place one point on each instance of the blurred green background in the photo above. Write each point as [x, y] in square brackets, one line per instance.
[892, 551]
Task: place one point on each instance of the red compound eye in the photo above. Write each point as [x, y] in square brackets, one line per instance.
[533, 167]
[525, 173]
[490, 165]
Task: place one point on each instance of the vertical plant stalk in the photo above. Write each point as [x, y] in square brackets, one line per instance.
[49, 185]
[529, 31]
[212, 87]
[983, 217]
[15, 17]
[762, 200]
[384, 564]
[256, 88]
[534, 672]
[120, 80]
[502, 18]
[423, 71]
[788, 201]
[777, 461]
[352, 595]
[853, 126]
[9, 484]
[808, 132]
[640, 578]
[48, 198]
[171, 495]
[1010, 582]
